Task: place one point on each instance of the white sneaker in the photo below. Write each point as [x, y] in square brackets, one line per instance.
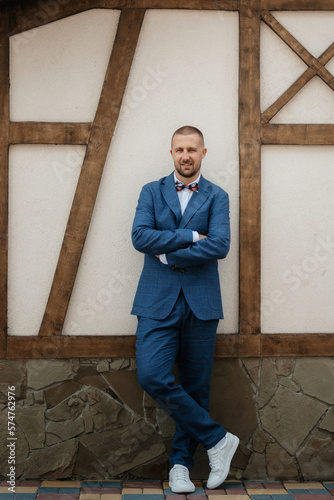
[220, 461]
[179, 481]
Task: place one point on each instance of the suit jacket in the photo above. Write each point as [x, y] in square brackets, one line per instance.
[159, 228]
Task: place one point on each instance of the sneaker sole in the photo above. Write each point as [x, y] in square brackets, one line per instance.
[182, 491]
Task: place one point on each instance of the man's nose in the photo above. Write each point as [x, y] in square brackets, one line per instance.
[185, 155]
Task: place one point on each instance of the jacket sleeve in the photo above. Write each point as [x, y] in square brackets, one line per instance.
[217, 243]
[149, 240]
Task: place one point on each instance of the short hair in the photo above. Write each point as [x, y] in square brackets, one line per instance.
[187, 130]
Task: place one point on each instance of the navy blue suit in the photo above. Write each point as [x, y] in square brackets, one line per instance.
[178, 305]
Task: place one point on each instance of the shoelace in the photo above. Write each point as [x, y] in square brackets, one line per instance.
[181, 473]
[213, 460]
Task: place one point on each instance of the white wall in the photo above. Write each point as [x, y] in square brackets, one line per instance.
[185, 71]
[297, 188]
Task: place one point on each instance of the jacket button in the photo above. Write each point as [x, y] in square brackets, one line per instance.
[181, 270]
[175, 267]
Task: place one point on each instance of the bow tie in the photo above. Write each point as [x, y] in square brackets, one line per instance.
[193, 186]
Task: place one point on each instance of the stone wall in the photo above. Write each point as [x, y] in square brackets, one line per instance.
[90, 419]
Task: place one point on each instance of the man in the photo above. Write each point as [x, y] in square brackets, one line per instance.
[182, 226]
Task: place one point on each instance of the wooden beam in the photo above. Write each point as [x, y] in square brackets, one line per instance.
[296, 87]
[4, 144]
[250, 168]
[71, 347]
[27, 15]
[302, 134]
[227, 346]
[49, 133]
[98, 146]
[297, 345]
[297, 4]
[298, 49]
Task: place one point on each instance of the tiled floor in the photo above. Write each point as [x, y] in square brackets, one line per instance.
[157, 490]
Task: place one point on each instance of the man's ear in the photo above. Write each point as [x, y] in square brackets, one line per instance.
[204, 152]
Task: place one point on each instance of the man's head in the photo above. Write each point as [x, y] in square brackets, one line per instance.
[187, 150]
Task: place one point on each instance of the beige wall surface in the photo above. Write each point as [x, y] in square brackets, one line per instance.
[297, 184]
[185, 71]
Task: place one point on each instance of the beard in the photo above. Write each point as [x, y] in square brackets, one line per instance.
[193, 170]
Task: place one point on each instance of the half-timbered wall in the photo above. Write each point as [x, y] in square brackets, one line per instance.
[93, 96]
[90, 92]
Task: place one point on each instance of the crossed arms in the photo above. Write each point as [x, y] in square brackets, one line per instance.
[178, 244]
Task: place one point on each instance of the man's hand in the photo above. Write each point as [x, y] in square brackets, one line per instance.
[201, 236]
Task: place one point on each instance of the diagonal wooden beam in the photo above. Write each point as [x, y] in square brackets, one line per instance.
[298, 48]
[250, 168]
[296, 86]
[4, 144]
[84, 199]
[27, 15]
[49, 133]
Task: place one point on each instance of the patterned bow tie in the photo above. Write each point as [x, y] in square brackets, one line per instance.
[193, 186]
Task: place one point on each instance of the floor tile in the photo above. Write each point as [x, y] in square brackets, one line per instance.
[217, 497]
[45, 489]
[111, 484]
[31, 483]
[89, 496]
[175, 496]
[111, 496]
[134, 484]
[61, 484]
[235, 497]
[87, 491]
[74, 491]
[152, 491]
[133, 496]
[213, 493]
[236, 491]
[264, 496]
[318, 491]
[25, 496]
[90, 484]
[26, 489]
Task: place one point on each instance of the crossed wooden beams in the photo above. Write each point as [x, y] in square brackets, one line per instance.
[320, 134]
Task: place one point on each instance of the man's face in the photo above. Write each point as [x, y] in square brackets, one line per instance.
[187, 152]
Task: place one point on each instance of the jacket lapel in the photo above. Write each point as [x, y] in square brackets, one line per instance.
[196, 201]
[170, 195]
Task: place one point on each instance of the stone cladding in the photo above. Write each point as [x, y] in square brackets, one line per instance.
[89, 419]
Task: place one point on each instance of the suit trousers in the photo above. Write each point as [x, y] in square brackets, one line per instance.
[190, 341]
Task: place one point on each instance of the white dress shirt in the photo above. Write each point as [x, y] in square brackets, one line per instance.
[184, 197]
